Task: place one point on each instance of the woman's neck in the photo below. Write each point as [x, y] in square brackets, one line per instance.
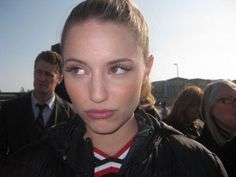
[112, 143]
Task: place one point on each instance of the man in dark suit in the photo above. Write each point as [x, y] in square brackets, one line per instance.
[25, 119]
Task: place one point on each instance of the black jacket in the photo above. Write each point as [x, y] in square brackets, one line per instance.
[158, 151]
[190, 131]
[18, 126]
[226, 153]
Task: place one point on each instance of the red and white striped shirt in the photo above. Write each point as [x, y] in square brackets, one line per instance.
[107, 165]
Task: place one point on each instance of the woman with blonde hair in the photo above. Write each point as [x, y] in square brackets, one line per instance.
[218, 111]
[105, 48]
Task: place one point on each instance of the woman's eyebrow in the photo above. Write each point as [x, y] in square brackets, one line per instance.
[120, 60]
[109, 63]
[74, 60]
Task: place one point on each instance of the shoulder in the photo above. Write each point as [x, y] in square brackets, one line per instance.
[179, 142]
[191, 155]
[18, 100]
[16, 103]
[184, 156]
[62, 102]
[64, 106]
[30, 160]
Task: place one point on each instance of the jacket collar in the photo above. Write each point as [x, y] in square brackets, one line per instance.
[144, 141]
[67, 140]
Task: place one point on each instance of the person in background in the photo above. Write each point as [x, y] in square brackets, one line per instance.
[105, 49]
[218, 111]
[185, 112]
[24, 119]
[164, 111]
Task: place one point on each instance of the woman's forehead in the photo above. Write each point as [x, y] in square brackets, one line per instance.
[95, 28]
[95, 38]
[227, 91]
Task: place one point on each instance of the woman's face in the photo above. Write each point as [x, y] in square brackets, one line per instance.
[224, 112]
[104, 70]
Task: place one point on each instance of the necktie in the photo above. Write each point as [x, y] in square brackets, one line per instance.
[39, 119]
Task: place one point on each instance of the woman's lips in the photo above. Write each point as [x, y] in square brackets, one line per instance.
[99, 114]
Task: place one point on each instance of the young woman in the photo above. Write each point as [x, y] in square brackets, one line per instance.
[185, 113]
[106, 70]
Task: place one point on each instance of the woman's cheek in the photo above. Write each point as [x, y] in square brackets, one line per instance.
[130, 92]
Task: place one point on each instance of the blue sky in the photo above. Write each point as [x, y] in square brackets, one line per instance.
[199, 35]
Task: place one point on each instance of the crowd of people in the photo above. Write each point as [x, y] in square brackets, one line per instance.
[208, 116]
[112, 127]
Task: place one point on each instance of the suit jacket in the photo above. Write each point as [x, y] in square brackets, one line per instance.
[18, 126]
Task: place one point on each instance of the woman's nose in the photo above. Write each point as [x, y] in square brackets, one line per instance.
[98, 89]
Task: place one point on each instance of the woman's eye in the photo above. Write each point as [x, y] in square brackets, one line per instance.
[119, 69]
[79, 71]
[75, 70]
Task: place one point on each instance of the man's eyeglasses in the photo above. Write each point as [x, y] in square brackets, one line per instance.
[227, 100]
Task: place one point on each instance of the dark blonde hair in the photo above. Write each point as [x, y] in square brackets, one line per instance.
[117, 11]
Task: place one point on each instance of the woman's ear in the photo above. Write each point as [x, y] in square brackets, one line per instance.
[148, 65]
